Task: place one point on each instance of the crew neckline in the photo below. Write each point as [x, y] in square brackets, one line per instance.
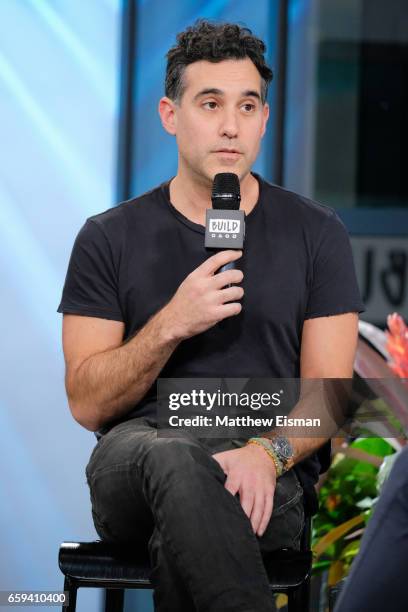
[197, 227]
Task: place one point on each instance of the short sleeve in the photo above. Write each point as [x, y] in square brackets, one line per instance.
[334, 289]
[91, 283]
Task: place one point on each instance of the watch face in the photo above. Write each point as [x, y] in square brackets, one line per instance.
[283, 447]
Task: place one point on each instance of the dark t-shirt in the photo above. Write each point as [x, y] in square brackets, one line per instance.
[128, 262]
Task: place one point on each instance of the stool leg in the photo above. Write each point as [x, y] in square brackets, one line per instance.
[304, 592]
[114, 600]
[71, 587]
[299, 599]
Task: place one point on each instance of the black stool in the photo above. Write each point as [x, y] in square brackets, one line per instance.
[101, 565]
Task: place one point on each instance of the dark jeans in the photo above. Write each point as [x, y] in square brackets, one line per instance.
[378, 576]
[168, 494]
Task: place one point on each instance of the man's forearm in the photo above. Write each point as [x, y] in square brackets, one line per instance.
[325, 401]
[303, 447]
[106, 385]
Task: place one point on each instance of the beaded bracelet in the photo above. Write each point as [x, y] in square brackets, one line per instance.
[265, 445]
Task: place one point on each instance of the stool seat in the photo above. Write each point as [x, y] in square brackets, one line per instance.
[116, 567]
[103, 564]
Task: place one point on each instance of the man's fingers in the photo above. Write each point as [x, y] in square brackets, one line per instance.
[229, 310]
[232, 486]
[231, 294]
[267, 513]
[215, 262]
[257, 511]
[220, 463]
[247, 499]
[228, 277]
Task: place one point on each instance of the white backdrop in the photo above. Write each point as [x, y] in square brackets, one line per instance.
[59, 70]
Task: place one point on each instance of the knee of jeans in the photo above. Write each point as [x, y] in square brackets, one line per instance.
[171, 456]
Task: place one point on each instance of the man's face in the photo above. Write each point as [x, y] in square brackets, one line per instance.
[220, 119]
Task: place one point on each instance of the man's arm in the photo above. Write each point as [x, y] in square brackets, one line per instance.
[328, 351]
[329, 346]
[105, 377]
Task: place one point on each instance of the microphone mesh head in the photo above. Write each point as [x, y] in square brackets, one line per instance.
[226, 193]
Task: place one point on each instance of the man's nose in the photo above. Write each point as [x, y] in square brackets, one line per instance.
[229, 124]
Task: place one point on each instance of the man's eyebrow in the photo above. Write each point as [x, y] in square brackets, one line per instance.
[251, 93]
[248, 93]
[209, 90]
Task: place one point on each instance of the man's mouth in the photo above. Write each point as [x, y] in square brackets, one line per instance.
[231, 152]
[224, 150]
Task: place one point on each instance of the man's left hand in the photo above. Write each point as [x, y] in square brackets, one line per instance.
[251, 473]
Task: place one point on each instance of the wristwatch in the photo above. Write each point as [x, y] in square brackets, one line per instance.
[283, 449]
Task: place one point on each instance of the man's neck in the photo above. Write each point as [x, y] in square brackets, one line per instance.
[192, 198]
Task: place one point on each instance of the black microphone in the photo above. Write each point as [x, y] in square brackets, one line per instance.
[225, 223]
[226, 191]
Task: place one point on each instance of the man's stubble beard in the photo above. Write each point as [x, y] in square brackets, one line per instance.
[205, 176]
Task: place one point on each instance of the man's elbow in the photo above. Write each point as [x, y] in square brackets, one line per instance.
[80, 408]
[84, 415]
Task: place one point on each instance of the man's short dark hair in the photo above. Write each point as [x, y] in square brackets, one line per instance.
[213, 42]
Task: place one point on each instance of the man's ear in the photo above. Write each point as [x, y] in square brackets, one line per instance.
[265, 112]
[167, 115]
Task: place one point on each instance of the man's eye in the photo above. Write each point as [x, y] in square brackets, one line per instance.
[211, 105]
[248, 107]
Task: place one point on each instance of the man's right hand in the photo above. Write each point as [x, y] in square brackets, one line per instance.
[201, 300]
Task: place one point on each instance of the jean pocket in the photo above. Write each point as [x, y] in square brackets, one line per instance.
[294, 518]
[288, 492]
[286, 525]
